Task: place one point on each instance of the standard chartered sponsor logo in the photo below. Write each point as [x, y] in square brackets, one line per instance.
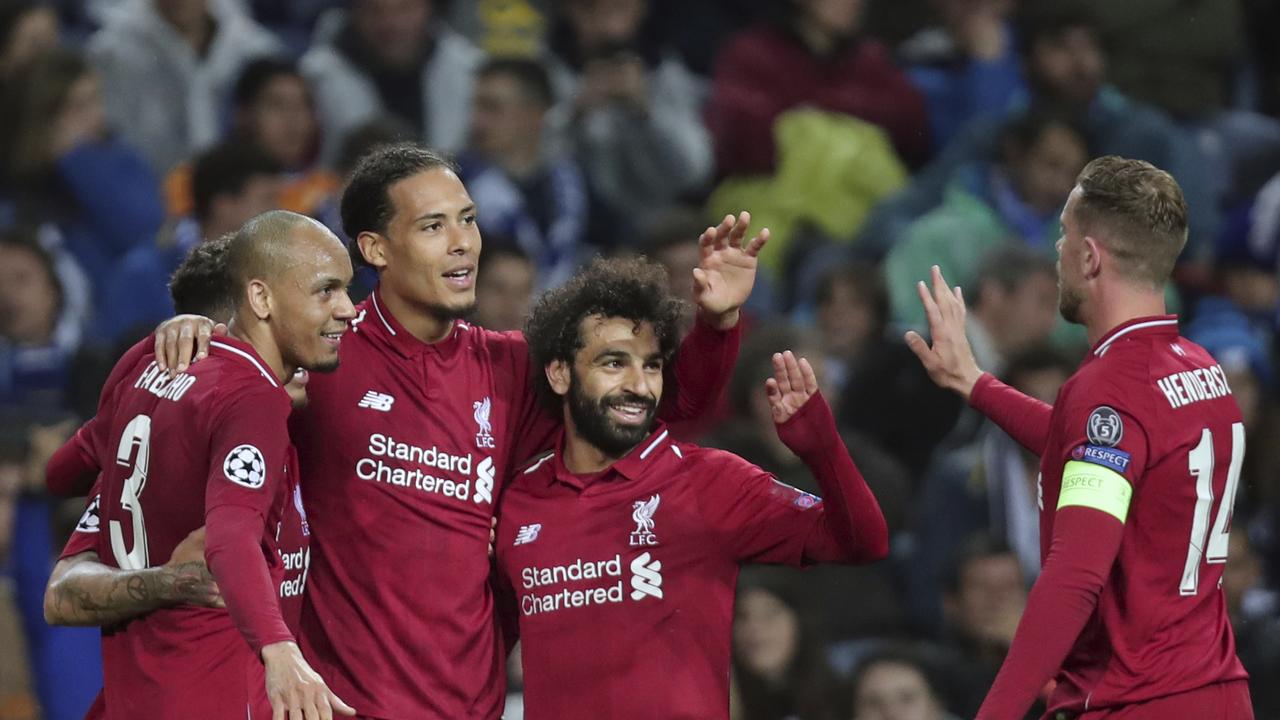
[646, 578]
[445, 473]
[646, 581]
[299, 559]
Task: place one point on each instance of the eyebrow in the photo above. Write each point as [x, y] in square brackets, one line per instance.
[327, 282]
[440, 216]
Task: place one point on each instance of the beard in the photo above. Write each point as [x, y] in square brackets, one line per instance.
[591, 417]
[448, 314]
[1069, 302]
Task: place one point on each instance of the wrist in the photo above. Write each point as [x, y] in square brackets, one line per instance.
[280, 650]
[720, 321]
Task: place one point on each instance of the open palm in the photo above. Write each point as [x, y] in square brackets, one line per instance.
[727, 265]
[791, 386]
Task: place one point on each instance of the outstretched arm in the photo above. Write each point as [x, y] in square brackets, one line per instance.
[950, 363]
[852, 528]
[84, 591]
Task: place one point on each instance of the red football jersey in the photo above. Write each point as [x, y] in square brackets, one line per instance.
[173, 450]
[623, 582]
[404, 450]
[1157, 409]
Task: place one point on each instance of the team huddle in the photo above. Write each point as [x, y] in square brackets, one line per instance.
[300, 507]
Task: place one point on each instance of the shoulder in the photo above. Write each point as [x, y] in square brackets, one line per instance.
[1118, 382]
[716, 466]
[496, 344]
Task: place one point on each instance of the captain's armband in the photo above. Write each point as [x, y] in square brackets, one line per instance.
[1090, 485]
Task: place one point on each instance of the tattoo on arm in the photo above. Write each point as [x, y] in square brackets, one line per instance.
[90, 593]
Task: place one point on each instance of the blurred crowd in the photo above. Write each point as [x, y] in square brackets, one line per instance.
[873, 137]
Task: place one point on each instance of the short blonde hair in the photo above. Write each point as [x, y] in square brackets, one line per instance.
[1138, 213]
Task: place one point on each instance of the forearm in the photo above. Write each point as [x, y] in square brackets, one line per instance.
[84, 591]
[1084, 547]
[702, 369]
[852, 528]
[234, 552]
[1024, 418]
[71, 469]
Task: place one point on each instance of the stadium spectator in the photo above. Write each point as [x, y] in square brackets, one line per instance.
[1254, 608]
[504, 287]
[815, 56]
[1065, 65]
[61, 167]
[391, 57]
[989, 205]
[168, 67]
[629, 111]
[780, 669]
[28, 29]
[984, 487]
[272, 108]
[231, 183]
[852, 314]
[966, 66]
[533, 196]
[897, 683]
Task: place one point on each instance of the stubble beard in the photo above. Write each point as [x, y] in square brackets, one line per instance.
[591, 418]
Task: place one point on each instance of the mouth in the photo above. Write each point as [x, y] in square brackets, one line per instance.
[333, 339]
[630, 413]
[461, 278]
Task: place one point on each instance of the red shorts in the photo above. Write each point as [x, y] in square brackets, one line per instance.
[1220, 701]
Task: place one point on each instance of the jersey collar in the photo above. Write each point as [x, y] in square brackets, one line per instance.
[241, 351]
[378, 321]
[1137, 327]
[631, 466]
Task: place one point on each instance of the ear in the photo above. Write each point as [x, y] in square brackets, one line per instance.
[1091, 258]
[373, 247]
[260, 300]
[558, 376]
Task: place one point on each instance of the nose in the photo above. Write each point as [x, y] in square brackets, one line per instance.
[344, 309]
[637, 382]
[461, 239]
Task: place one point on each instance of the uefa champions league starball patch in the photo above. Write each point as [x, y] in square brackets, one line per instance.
[244, 466]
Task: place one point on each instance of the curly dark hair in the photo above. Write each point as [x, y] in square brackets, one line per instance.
[201, 285]
[365, 204]
[633, 288]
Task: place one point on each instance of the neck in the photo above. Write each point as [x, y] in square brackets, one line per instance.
[422, 323]
[259, 336]
[1119, 304]
[580, 456]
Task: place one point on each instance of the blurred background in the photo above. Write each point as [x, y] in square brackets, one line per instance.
[874, 137]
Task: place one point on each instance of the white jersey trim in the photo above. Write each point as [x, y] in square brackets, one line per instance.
[383, 318]
[248, 357]
[654, 444]
[1102, 349]
[539, 464]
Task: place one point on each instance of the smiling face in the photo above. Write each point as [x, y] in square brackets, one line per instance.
[427, 256]
[309, 304]
[614, 384]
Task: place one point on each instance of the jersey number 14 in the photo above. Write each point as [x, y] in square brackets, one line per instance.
[134, 451]
[1200, 462]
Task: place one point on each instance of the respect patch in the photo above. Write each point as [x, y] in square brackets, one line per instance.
[1108, 457]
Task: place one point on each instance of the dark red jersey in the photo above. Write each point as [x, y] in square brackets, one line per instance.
[174, 451]
[1150, 419]
[404, 450]
[623, 582]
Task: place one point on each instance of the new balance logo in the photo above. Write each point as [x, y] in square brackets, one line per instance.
[484, 482]
[527, 533]
[646, 577]
[375, 400]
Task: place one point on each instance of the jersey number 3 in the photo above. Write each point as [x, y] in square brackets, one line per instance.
[1200, 462]
[135, 451]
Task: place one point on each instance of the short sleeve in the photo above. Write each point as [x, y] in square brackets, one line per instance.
[84, 538]
[759, 518]
[248, 450]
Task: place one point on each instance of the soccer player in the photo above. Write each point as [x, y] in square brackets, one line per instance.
[620, 551]
[1140, 459]
[405, 449]
[227, 418]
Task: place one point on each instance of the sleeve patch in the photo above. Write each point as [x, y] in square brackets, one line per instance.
[244, 466]
[794, 495]
[1110, 458]
[1104, 427]
[1090, 485]
[89, 520]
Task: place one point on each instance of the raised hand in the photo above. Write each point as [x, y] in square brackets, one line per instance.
[726, 269]
[184, 339]
[949, 360]
[791, 386]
